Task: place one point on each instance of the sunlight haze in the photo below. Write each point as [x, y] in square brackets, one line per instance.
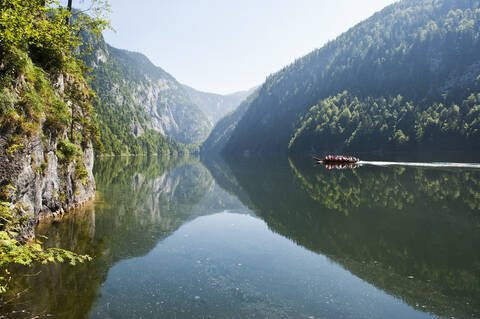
[226, 46]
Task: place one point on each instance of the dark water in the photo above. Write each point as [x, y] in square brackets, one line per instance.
[264, 238]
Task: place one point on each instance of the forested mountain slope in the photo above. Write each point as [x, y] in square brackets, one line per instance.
[224, 128]
[408, 76]
[139, 103]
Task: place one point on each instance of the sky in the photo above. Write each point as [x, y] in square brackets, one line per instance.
[223, 46]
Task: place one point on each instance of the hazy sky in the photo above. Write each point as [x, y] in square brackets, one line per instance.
[224, 46]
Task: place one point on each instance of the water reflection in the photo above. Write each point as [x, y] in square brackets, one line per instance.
[411, 232]
[139, 202]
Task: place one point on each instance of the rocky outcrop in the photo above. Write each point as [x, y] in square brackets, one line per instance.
[41, 185]
[46, 151]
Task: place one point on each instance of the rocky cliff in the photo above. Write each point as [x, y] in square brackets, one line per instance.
[46, 137]
[41, 184]
[135, 96]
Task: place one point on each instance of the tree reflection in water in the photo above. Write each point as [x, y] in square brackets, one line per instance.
[412, 232]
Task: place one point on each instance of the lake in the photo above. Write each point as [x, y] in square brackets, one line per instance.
[265, 238]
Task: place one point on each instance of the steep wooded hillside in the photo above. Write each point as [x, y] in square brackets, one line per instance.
[411, 76]
[224, 128]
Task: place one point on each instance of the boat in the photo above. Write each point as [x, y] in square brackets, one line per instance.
[340, 165]
[336, 159]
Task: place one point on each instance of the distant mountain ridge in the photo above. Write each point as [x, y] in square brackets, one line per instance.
[216, 106]
[142, 107]
[421, 57]
[224, 128]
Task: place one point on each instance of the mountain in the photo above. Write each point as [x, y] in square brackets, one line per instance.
[216, 106]
[136, 98]
[408, 77]
[224, 128]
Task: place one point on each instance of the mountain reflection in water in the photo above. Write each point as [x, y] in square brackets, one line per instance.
[410, 232]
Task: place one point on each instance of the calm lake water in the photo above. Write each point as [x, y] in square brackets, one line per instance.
[265, 238]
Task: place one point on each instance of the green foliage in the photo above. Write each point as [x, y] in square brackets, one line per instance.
[6, 192]
[44, 90]
[387, 123]
[6, 101]
[13, 251]
[24, 23]
[66, 150]
[14, 148]
[39, 51]
[58, 115]
[117, 139]
[39, 26]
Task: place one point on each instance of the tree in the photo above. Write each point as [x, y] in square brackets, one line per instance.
[69, 9]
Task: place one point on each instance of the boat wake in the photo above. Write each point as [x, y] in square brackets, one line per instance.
[421, 164]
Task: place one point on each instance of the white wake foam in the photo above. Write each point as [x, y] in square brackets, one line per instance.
[421, 164]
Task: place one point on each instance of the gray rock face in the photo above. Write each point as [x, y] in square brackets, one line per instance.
[143, 96]
[43, 186]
